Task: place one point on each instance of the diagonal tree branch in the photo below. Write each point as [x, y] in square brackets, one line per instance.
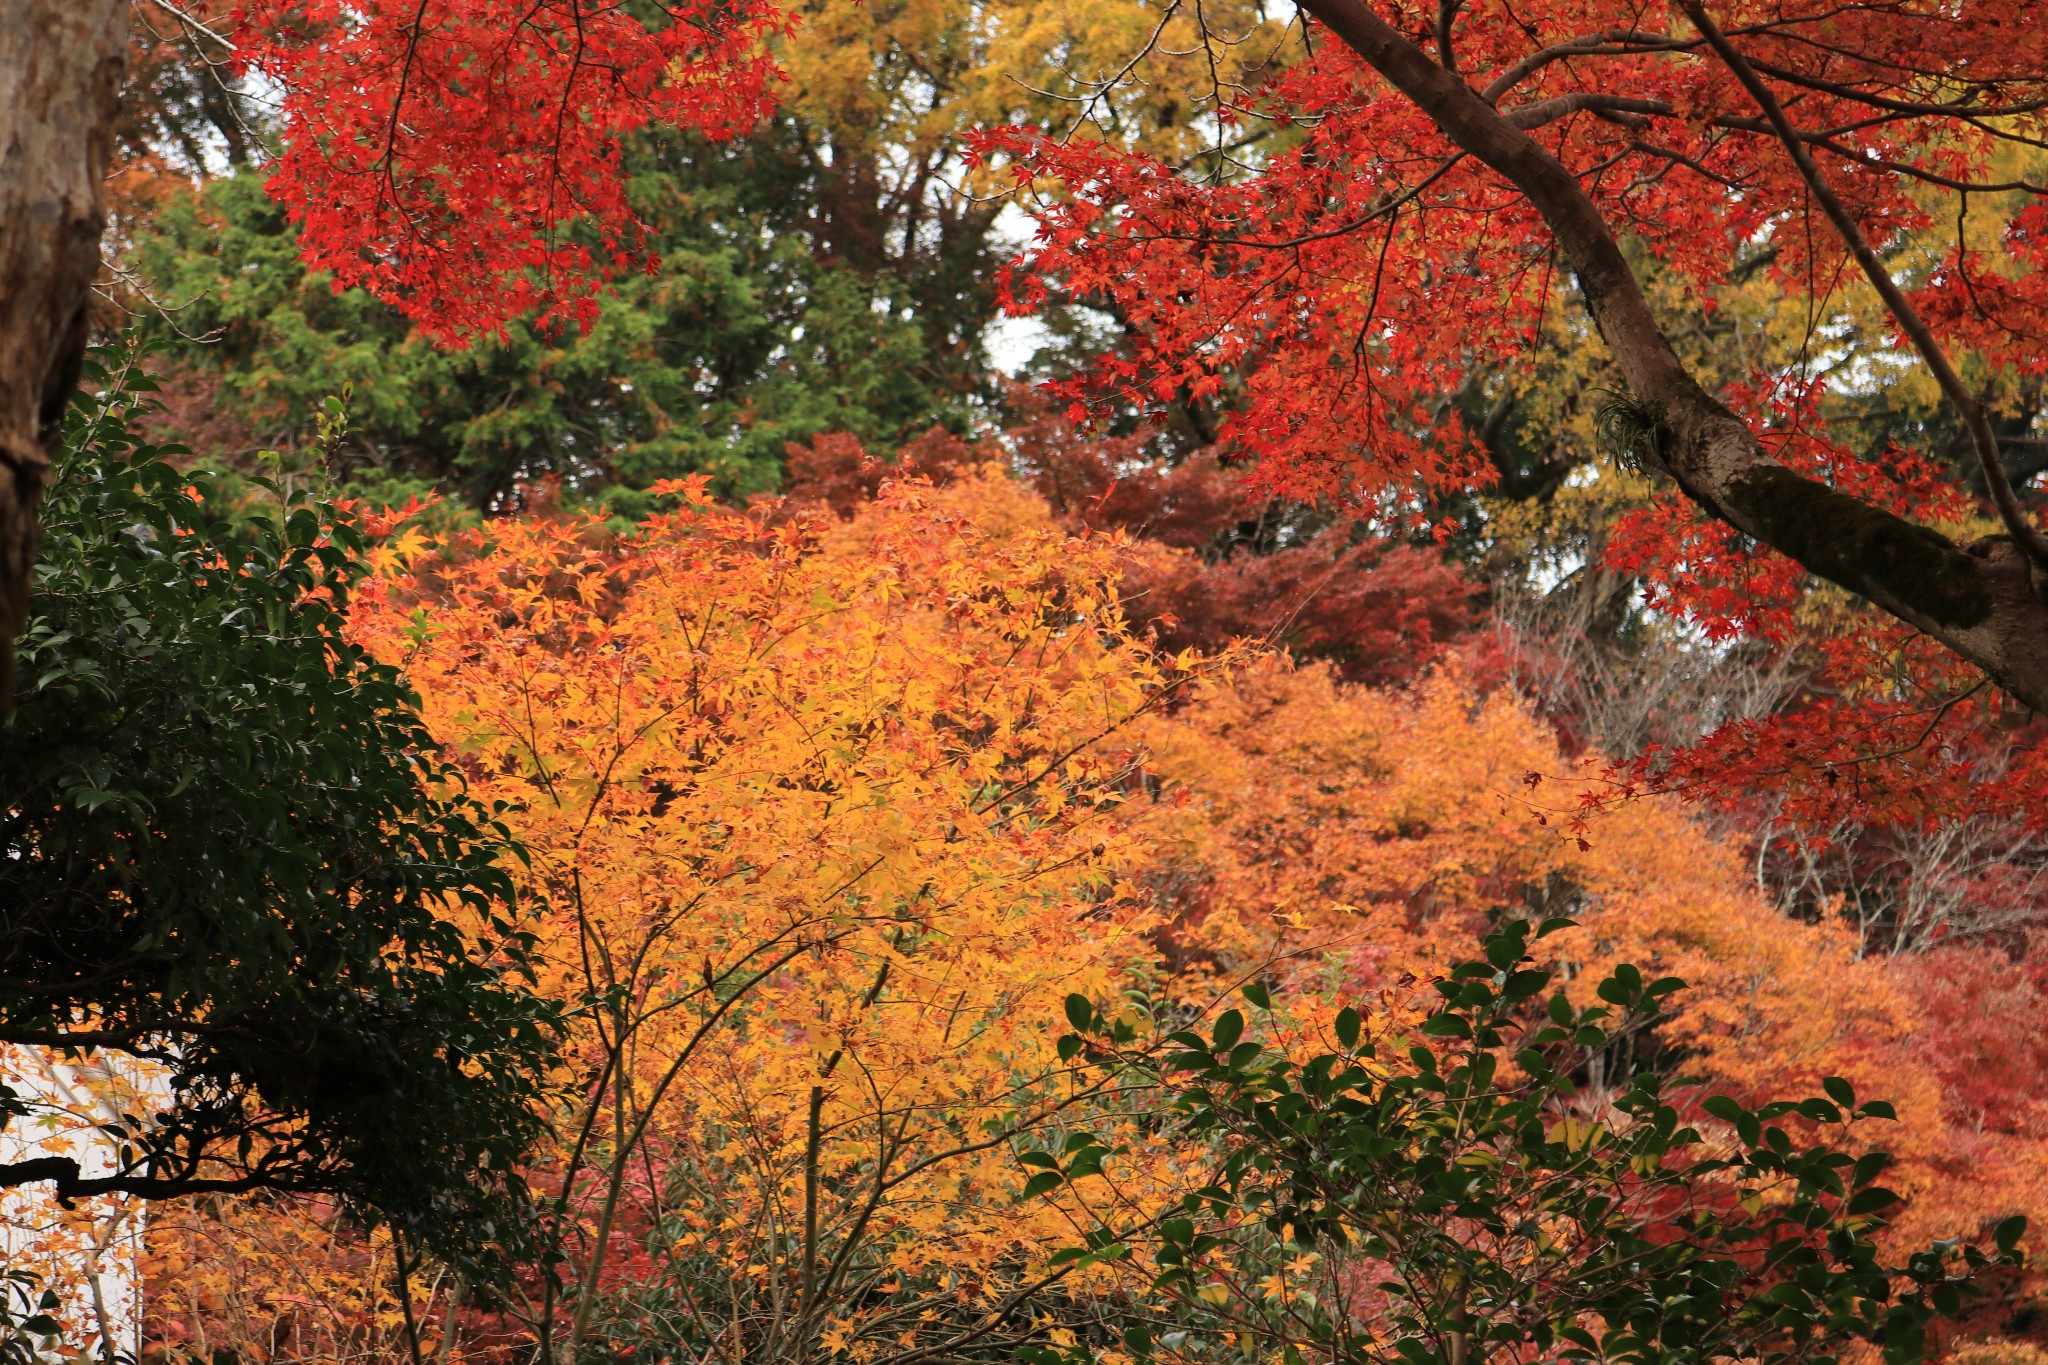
[1979, 601]
[1975, 420]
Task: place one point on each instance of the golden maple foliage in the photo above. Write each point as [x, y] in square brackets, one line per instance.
[824, 820]
[908, 82]
[824, 823]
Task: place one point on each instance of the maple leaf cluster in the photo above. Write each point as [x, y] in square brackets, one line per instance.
[462, 160]
[1207, 561]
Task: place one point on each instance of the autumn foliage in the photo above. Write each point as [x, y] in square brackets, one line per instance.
[463, 161]
[1206, 564]
[857, 834]
[1358, 837]
[827, 815]
[828, 818]
[1328, 297]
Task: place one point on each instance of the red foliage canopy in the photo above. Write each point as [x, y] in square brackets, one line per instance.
[1455, 168]
[460, 158]
[1354, 278]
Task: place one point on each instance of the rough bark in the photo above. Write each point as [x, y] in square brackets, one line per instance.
[1979, 601]
[60, 80]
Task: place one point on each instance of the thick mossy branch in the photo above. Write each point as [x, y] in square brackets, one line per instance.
[1853, 543]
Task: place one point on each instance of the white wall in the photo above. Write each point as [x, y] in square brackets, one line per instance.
[89, 1253]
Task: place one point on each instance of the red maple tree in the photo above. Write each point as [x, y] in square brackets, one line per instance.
[1446, 171]
[457, 158]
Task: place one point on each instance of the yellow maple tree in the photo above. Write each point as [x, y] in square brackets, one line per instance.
[826, 821]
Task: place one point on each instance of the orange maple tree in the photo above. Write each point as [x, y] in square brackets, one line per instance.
[826, 819]
[1356, 838]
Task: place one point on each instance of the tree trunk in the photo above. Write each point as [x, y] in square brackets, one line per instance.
[60, 81]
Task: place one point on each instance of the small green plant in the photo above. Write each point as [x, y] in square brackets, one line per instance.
[1630, 431]
[28, 1332]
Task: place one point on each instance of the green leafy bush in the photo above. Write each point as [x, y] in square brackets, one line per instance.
[1455, 1198]
[227, 847]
